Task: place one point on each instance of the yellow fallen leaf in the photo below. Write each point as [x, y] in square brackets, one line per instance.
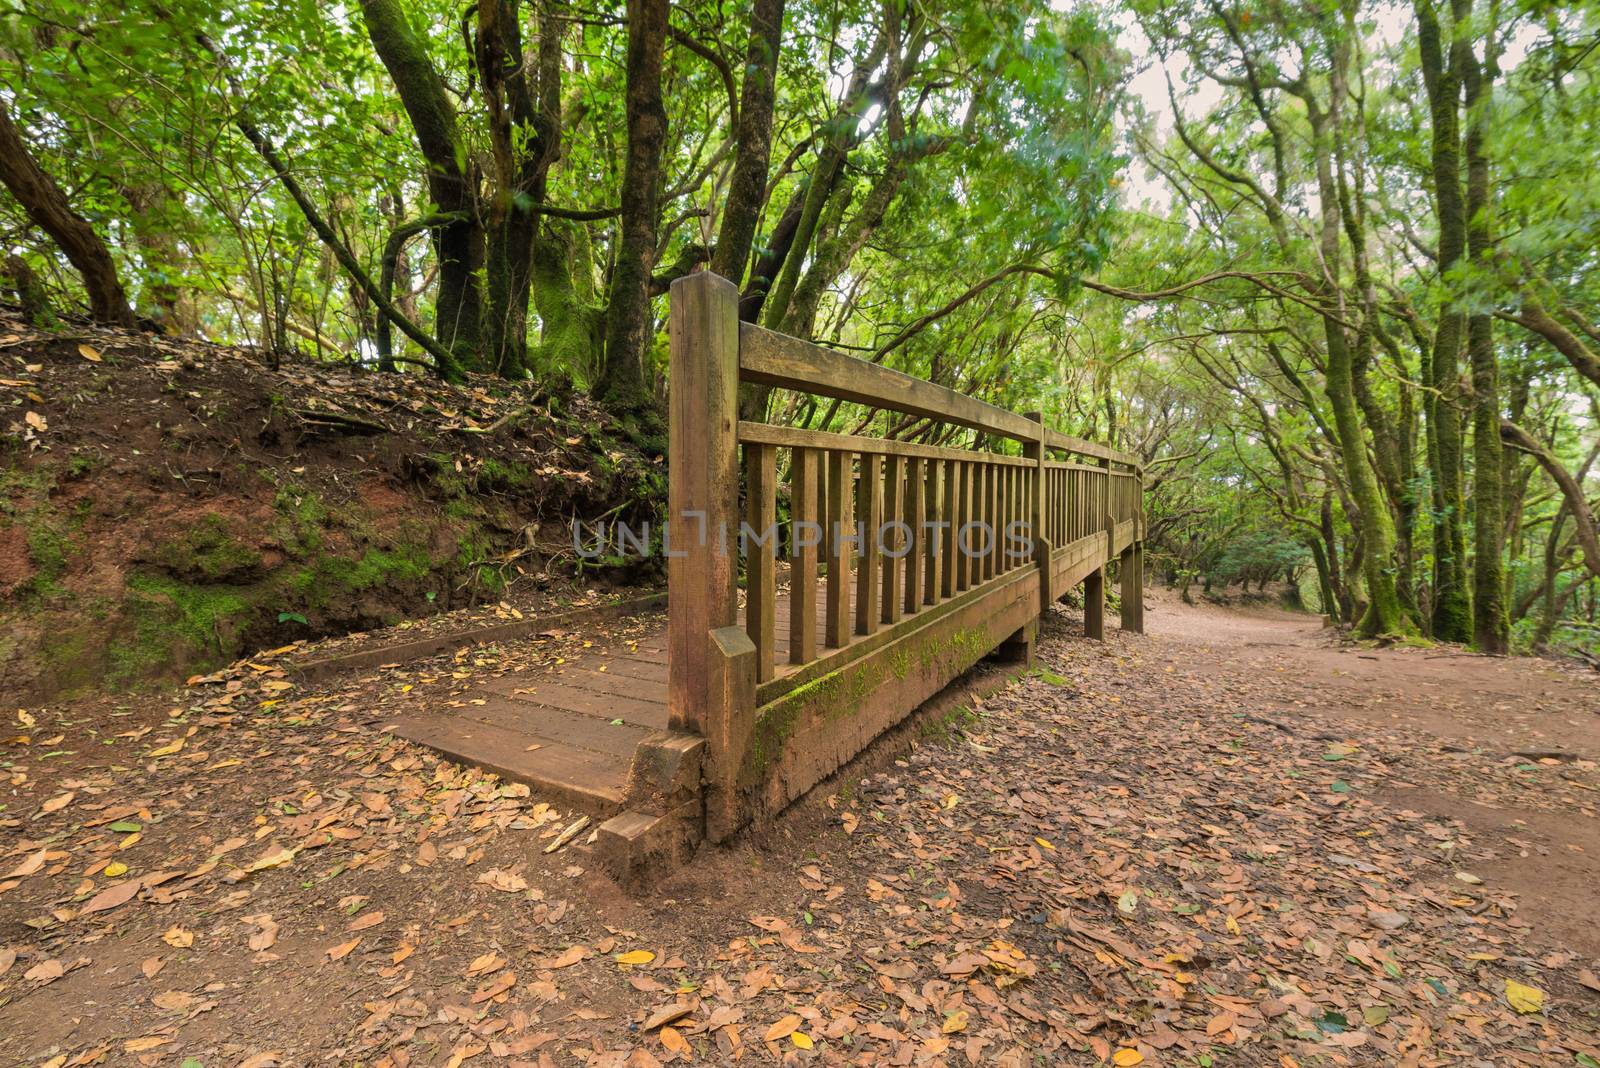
[1524, 999]
[956, 1021]
[851, 821]
[178, 938]
[167, 750]
[1044, 844]
[801, 1040]
[275, 859]
[675, 1042]
[37, 421]
[1124, 1058]
[950, 801]
[636, 957]
[114, 869]
[89, 352]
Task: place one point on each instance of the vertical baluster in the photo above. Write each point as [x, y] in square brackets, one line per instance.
[938, 538]
[869, 506]
[991, 504]
[760, 545]
[955, 560]
[840, 549]
[894, 538]
[1000, 507]
[915, 511]
[804, 467]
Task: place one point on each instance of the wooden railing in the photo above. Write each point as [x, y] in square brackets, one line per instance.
[960, 547]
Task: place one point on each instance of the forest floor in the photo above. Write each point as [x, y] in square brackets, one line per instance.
[1233, 841]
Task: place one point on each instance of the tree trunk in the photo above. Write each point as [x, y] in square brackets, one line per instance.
[452, 178]
[48, 208]
[747, 188]
[1384, 614]
[624, 386]
[1491, 629]
[1442, 75]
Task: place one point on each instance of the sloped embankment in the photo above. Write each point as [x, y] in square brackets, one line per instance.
[166, 505]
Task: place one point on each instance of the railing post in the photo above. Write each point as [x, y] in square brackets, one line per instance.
[702, 494]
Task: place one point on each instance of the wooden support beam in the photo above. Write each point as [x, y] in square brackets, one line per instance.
[703, 491]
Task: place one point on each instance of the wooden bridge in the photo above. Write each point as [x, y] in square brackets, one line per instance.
[903, 565]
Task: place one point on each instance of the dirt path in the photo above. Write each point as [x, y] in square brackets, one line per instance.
[1230, 842]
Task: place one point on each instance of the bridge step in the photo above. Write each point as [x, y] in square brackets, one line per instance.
[566, 771]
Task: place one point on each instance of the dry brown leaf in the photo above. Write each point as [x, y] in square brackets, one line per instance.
[342, 950]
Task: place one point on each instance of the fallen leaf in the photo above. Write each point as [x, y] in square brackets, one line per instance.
[636, 957]
[1125, 1058]
[782, 1029]
[564, 960]
[675, 1042]
[89, 352]
[1525, 999]
[112, 896]
[178, 938]
[955, 1022]
[342, 950]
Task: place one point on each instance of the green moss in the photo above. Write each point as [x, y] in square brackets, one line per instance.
[472, 549]
[842, 692]
[208, 550]
[304, 517]
[70, 659]
[47, 548]
[175, 620]
[939, 729]
[332, 576]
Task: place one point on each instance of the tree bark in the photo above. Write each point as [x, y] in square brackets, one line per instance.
[1491, 627]
[48, 208]
[1442, 74]
[1384, 614]
[624, 385]
[452, 178]
[747, 188]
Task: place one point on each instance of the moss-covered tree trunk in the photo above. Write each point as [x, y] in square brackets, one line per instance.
[1491, 629]
[747, 186]
[1442, 74]
[624, 382]
[1384, 614]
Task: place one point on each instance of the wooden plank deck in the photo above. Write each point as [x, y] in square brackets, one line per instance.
[556, 729]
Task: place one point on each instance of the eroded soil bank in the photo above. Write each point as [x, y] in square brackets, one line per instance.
[167, 506]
